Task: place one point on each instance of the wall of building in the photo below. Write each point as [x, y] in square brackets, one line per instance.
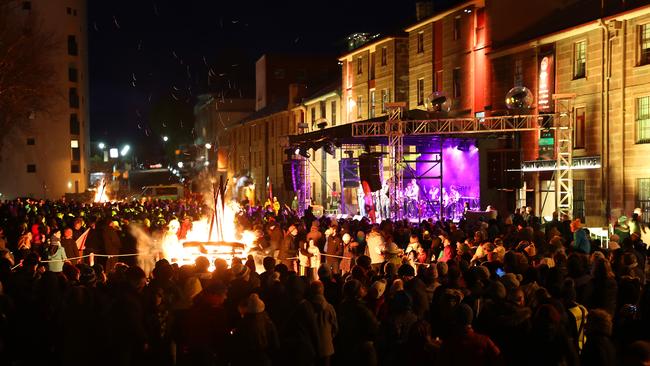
[52, 153]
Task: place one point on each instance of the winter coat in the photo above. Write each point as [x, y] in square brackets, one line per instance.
[70, 247]
[376, 245]
[469, 348]
[357, 332]
[581, 242]
[112, 242]
[598, 351]
[255, 340]
[334, 246]
[58, 257]
[326, 324]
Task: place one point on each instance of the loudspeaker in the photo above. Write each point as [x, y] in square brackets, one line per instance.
[370, 170]
[349, 172]
[292, 175]
[499, 162]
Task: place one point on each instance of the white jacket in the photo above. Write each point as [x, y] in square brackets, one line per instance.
[376, 245]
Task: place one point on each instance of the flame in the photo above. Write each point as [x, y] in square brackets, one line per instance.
[101, 192]
[199, 242]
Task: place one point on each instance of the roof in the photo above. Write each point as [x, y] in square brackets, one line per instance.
[323, 89]
[372, 45]
[280, 105]
[441, 14]
[578, 17]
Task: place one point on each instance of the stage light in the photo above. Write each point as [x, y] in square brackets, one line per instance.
[302, 151]
[330, 148]
[438, 102]
[519, 97]
[463, 146]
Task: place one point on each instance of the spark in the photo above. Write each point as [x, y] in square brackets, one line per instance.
[117, 25]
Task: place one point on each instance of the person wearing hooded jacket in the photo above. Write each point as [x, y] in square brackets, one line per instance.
[255, 339]
[56, 253]
[326, 322]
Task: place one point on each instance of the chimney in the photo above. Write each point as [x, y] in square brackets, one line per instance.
[296, 93]
[423, 9]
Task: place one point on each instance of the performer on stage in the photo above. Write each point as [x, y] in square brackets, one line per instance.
[412, 190]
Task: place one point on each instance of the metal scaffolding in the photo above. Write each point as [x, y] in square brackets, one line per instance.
[561, 122]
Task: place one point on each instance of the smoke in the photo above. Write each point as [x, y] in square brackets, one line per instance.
[146, 246]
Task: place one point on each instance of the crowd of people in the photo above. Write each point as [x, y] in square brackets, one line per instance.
[504, 291]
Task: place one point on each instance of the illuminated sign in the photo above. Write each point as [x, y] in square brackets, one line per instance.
[547, 145]
[113, 153]
[546, 85]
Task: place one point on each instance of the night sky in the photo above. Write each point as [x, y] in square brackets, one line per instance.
[149, 59]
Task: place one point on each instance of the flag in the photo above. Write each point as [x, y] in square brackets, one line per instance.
[81, 241]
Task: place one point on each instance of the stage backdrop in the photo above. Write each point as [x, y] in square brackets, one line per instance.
[460, 166]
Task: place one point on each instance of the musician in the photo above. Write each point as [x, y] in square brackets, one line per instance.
[413, 190]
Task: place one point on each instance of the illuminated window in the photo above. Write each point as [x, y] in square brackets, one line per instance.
[76, 150]
[74, 144]
[644, 44]
[579, 59]
[579, 130]
[333, 113]
[420, 42]
[420, 87]
[643, 197]
[371, 107]
[385, 98]
[359, 66]
[359, 103]
[384, 56]
[456, 82]
[643, 120]
[313, 115]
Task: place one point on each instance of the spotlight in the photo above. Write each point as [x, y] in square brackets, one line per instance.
[330, 148]
[463, 146]
[303, 151]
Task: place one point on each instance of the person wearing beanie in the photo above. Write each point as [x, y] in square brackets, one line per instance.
[56, 253]
[581, 242]
[255, 339]
[464, 346]
[358, 328]
[599, 349]
[326, 322]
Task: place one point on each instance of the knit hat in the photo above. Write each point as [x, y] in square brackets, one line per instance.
[380, 287]
[254, 305]
[496, 290]
[510, 281]
[87, 275]
[483, 272]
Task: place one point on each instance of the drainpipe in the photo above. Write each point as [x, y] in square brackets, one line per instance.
[623, 54]
[604, 120]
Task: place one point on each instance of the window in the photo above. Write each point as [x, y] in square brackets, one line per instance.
[456, 28]
[359, 66]
[385, 98]
[74, 98]
[359, 103]
[372, 66]
[72, 46]
[73, 74]
[420, 94]
[643, 197]
[384, 56]
[76, 150]
[68, 11]
[313, 115]
[27, 5]
[456, 82]
[579, 130]
[333, 106]
[74, 168]
[643, 120]
[31, 168]
[579, 199]
[323, 109]
[371, 107]
[420, 42]
[579, 59]
[31, 141]
[644, 44]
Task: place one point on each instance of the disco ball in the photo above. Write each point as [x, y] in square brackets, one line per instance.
[519, 97]
[438, 102]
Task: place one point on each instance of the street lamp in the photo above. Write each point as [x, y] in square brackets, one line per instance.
[180, 165]
[125, 150]
[208, 146]
[165, 138]
[101, 146]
